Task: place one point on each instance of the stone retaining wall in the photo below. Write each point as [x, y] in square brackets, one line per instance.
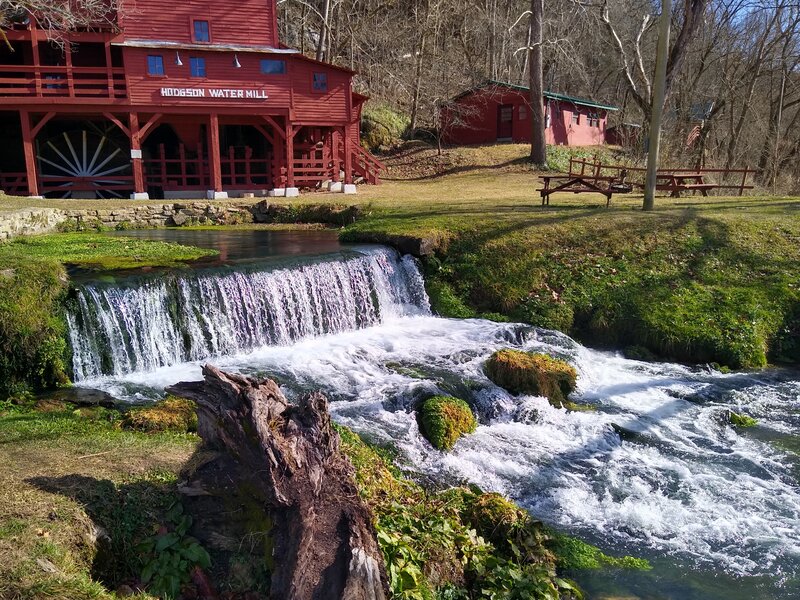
[159, 215]
[45, 220]
[29, 221]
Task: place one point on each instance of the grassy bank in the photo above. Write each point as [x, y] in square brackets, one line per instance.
[33, 285]
[84, 502]
[698, 280]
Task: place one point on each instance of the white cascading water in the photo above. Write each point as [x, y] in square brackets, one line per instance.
[161, 321]
[655, 470]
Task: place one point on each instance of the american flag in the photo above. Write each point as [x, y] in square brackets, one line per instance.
[693, 135]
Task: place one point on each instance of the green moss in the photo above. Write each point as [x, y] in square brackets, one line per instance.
[738, 420]
[534, 374]
[445, 302]
[171, 414]
[495, 517]
[444, 419]
[99, 251]
[574, 554]
[33, 348]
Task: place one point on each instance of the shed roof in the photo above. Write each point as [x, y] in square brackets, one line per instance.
[549, 95]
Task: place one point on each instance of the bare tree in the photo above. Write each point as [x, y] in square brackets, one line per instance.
[58, 16]
[538, 143]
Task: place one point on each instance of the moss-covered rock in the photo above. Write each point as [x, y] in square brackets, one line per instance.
[171, 414]
[444, 419]
[495, 517]
[576, 555]
[738, 420]
[534, 374]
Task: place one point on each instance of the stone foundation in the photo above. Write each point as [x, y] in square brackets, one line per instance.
[169, 214]
[29, 221]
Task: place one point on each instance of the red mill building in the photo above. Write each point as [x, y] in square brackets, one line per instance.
[177, 100]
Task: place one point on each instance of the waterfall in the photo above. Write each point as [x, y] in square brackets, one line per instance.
[156, 321]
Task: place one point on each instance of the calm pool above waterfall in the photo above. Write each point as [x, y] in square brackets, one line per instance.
[655, 471]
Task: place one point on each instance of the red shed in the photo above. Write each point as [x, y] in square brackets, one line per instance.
[194, 98]
[500, 112]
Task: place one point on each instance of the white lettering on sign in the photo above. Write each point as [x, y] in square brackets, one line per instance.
[233, 93]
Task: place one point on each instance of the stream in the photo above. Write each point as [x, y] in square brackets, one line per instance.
[654, 471]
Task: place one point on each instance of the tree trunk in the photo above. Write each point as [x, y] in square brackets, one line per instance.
[323, 34]
[418, 78]
[324, 540]
[659, 98]
[538, 142]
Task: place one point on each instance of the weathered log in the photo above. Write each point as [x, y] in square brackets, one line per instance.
[324, 540]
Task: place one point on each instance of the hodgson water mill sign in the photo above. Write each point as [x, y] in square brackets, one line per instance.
[219, 93]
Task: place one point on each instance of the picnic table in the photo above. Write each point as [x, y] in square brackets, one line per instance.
[677, 182]
[575, 184]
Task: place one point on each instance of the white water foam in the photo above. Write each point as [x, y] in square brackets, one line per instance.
[682, 482]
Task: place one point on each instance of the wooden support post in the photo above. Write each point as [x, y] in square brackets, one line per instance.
[37, 63]
[30, 154]
[290, 133]
[336, 175]
[162, 154]
[348, 157]
[183, 182]
[70, 75]
[109, 68]
[136, 155]
[201, 166]
[213, 153]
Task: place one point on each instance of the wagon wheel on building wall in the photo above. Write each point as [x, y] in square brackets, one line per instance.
[93, 155]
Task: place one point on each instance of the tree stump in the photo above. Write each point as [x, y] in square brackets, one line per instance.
[324, 540]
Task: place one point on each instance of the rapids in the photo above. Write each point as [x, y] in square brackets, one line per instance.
[655, 470]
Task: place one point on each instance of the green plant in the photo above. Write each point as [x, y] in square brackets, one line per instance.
[382, 126]
[444, 419]
[171, 555]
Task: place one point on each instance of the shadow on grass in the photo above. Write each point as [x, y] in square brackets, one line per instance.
[123, 515]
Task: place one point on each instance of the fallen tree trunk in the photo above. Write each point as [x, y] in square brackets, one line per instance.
[324, 540]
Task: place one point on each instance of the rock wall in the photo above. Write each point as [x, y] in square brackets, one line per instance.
[170, 214]
[29, 221]
[158, 215]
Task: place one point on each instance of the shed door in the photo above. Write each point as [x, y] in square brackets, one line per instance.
[505, 121]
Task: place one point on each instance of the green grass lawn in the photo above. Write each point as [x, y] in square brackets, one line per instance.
[698, 279]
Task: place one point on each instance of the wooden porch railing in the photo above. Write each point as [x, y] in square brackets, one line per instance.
[182, 173]
[14, 184]
[367, 165]
[62, 82]
[247, 172]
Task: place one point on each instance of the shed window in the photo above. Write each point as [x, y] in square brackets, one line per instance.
[202, 32]
[576, 117]
[523, 112]
[273, 67]
[594, 120]
[155, 65]
[198, 67]
[320, 83]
